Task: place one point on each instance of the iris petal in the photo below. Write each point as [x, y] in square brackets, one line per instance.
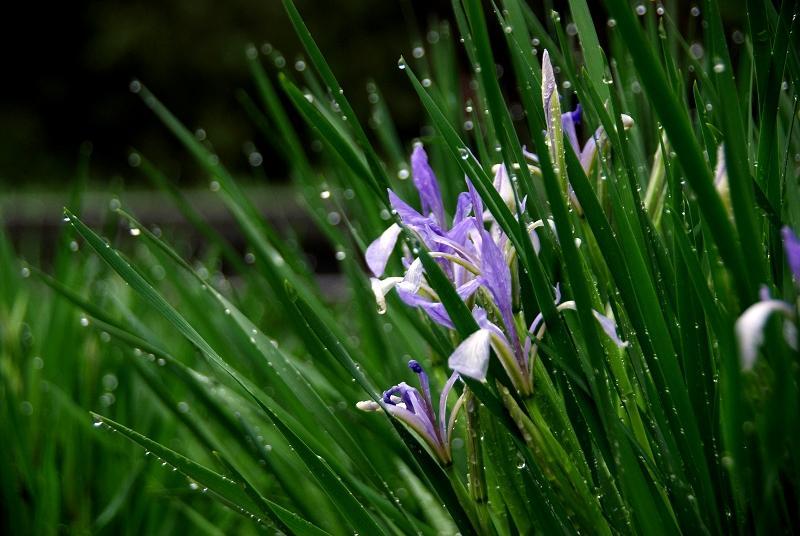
[750, 328]
[471, 357]
[378, 253]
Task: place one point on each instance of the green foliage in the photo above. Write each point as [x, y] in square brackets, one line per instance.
[246, 389]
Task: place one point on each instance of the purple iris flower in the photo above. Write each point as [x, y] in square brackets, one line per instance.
[453, 249]
[415, 408]
[476, 256]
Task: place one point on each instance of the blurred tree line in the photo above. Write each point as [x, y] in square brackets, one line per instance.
[67, 67]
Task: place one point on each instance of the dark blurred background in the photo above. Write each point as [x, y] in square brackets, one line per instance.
[67, 66]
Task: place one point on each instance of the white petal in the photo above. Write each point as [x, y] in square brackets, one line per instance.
[413, 278]
[381, 287]
[378, 253]
[750, 328]
[627, 121]
[471, 358]
[368, 405]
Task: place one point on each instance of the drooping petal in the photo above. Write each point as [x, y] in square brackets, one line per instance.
[750, 328]
[380, 288]
[533, 157]
[791, 243]
[610, 327]
[425, 181]
[378, 253]
[471, 357]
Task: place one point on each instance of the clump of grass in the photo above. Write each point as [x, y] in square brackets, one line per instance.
[595, 291]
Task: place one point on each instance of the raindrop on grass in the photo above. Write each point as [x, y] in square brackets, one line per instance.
[641, 9]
